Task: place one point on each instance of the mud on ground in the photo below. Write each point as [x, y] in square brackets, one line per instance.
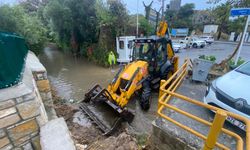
[87, 137]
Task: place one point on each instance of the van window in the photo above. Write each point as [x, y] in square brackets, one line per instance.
[130, 44]
[121, 44]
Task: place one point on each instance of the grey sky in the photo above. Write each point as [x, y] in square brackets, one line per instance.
[132, 4]
[7, 2]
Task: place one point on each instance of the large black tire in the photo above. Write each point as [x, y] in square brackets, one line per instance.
[145, 95]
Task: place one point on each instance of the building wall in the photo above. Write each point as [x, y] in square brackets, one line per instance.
[202, 17]
[22, 110]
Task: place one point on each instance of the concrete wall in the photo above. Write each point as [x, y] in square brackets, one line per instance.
[164, 139]
[22, 111]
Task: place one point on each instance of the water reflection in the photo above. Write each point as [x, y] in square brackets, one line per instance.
[72, 77]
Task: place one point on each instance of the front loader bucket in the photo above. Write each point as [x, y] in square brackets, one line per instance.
[99, 97]
[98, 122]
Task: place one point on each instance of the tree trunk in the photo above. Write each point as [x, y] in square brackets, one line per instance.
[219, 34]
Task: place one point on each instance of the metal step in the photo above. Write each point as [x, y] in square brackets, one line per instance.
[156, 86]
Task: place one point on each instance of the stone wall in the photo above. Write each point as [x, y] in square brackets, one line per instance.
[40, 75]
[22, 111]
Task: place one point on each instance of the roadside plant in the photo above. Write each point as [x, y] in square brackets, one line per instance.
[209, 58]
[240, 62]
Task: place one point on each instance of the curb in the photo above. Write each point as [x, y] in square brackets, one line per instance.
[233, 43]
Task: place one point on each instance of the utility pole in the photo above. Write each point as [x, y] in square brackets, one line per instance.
[242, 41]
[241, 12]
[162, 10]
[137, 20]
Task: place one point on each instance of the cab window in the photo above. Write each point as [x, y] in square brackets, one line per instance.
[141, 50]
[161, 53]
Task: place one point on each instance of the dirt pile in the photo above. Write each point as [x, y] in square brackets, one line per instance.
[85, 135]
[66, 111]
[80, 134]
[121, 142]
[88, 137]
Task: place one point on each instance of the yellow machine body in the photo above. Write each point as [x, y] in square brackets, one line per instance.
[161, 32]
[153, 60]
[121, 95]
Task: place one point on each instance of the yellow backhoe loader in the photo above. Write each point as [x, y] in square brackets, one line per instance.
[153, 60]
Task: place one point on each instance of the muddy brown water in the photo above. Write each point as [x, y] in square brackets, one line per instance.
[72, 77]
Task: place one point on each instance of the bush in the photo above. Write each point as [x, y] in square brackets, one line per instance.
[240, 62]
[209, 58]
[15, 19]
[96, 53]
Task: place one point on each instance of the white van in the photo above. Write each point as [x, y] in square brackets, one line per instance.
[207, 38]
[124, 48]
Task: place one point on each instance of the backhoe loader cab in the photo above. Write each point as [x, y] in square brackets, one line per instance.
[159, 55]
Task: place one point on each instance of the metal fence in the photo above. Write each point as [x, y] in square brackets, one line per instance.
[13, 51]
[210, 140]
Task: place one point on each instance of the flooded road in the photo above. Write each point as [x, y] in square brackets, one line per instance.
[72, 77]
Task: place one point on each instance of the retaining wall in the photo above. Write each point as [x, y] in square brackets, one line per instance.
[164, 139]
[22, 111]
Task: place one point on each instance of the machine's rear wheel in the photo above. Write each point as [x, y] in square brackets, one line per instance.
[145, 95]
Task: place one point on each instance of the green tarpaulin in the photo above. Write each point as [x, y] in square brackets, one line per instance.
[13, 52]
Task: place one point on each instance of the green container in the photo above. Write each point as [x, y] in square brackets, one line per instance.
[13, 52]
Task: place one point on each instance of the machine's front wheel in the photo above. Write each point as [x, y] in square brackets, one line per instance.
[145, 96]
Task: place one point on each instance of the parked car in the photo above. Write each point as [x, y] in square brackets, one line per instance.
[207, 38]
[176, 47]
[193, 42]
[231, 92]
